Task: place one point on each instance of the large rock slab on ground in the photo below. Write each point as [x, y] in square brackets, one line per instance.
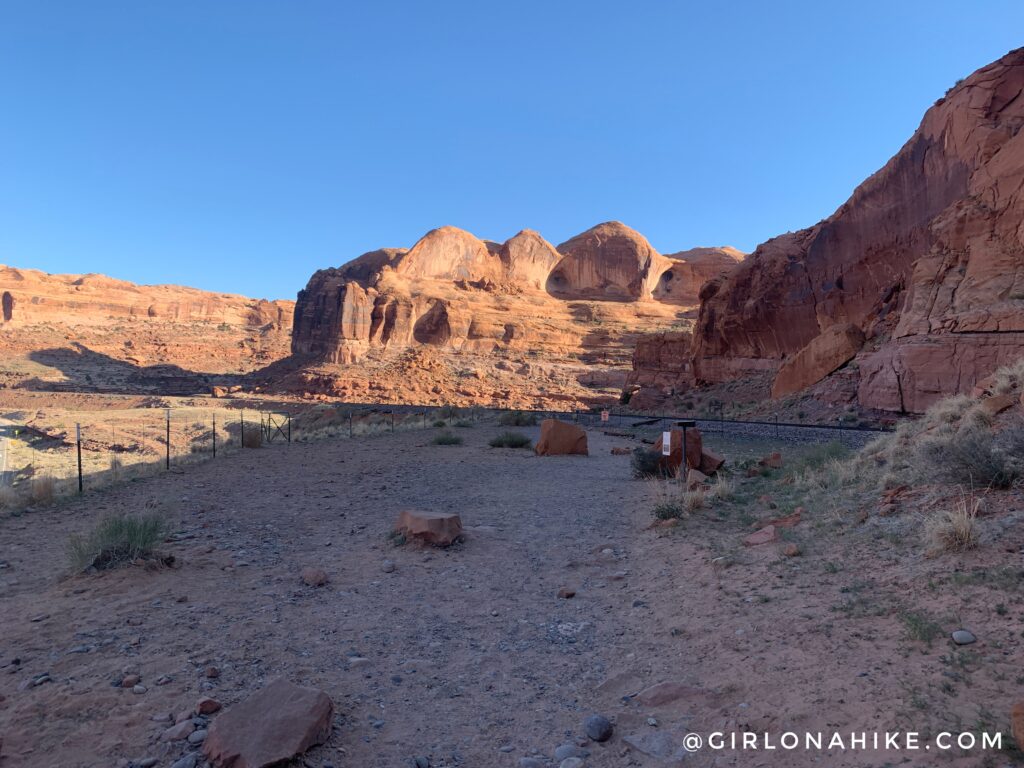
[437, 528]
[694, 448]
[559, 438]
[825, 353]
[273, 725]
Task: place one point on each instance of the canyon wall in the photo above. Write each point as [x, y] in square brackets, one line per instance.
[925, 261]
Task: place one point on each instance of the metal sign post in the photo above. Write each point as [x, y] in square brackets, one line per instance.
[168, 459]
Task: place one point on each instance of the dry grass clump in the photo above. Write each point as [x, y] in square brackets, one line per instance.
[955, 441]
[956, 529]
[43, 490]
[674, 501]
[115, 541]
[510, 440]
[447, 438]
[517, 419]
[723, 489]
[1008, 379]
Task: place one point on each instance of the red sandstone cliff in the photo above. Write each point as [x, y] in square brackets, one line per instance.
[531, 323]
[926, 260]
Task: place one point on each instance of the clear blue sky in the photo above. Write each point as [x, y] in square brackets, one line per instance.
[238, 145]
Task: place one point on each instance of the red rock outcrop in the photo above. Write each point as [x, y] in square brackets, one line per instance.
[661, 369]
[273, 725]
[826, 352]
[91, 332]
[439, 529]
[926, 259]
[557, 438]
[534, 326]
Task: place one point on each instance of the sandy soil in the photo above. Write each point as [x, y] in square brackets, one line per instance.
[467, 655]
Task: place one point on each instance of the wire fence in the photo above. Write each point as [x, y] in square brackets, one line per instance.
[40, 462]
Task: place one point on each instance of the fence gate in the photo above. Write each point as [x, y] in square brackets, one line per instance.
[276, 426]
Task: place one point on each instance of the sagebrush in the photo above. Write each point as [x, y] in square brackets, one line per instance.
[510, 440]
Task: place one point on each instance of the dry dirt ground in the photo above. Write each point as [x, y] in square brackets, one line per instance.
[467, 656]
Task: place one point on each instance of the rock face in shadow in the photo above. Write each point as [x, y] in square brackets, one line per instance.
[926, 259]
[468, 320]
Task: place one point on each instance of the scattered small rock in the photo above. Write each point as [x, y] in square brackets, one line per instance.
[598, 728]
[565, 751]
[566, 593]
[571, 762]
[130, 681]
[212, 672]
[178, 732]
[188, 761]
[139, 689]
[791, 550]
[197, 737]
[766, 535]
[207, 706]
[314, 577]
[963, 637]
[388, 566]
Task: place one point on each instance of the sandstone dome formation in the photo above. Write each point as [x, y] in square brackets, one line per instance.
[553, 322]
[609, 261]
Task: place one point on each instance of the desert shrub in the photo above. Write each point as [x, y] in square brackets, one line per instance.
[440, 423]
[625, 397]
[954, 530]
[116, 468]
[43, 489]
[116, 540]
[252, 438]
[646, 463]
[463, 424]
[975, 456]
[510, 440]
[517, 419]
[447, 438]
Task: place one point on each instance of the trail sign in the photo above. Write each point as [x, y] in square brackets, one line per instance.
[666, 443]
[605, 415]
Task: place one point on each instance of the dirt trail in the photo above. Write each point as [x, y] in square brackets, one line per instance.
[466, 656]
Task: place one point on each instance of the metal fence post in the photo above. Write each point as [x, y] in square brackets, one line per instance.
[78, 441]
[289, 427]
[242, 427]
[214, 433]
[350, 423]
[168, 458]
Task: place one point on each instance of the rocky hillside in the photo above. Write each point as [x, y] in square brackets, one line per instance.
[463, 320]
[94, 333]
[918, 278]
